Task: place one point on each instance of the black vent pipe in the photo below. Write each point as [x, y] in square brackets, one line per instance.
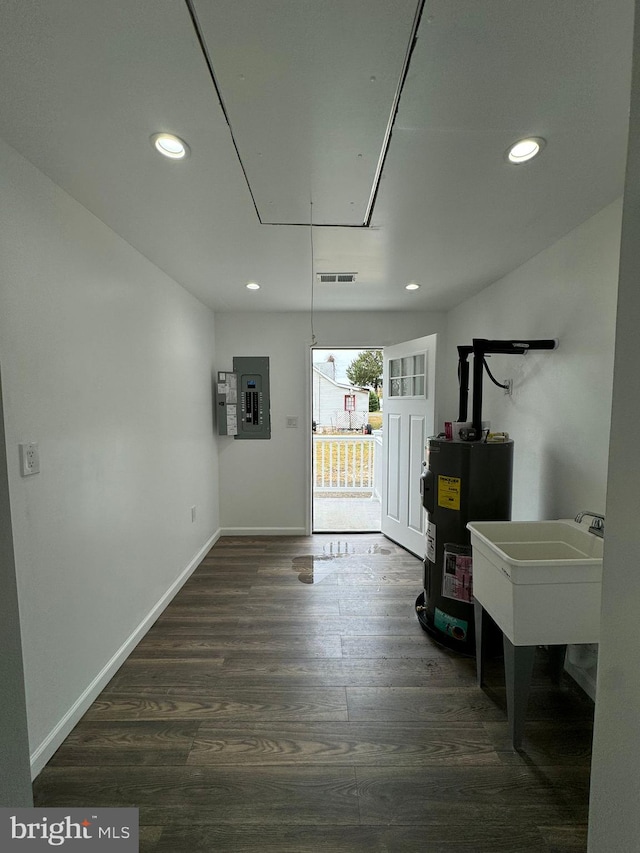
[463, 381]
[482, 347]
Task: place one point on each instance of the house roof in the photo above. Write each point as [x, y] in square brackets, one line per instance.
[343, 385]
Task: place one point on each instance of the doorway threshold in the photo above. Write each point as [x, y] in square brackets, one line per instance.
[340, 515]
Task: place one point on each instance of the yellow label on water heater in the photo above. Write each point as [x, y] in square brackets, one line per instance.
[449, 492]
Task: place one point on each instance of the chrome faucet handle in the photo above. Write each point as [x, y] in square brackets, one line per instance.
[594, 515]
[597, 525]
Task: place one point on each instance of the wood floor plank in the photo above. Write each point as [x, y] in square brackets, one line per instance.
[369, 604]
[286, 625]
[565, 839]
[237, 703]
[328, 574]
[286, 577]
[379, 580]
[206, 593]
[401, 593]
[428, 703]
[239, 565]
[211, 612]
[267, 795]
[302, 646]
[211, 625]
[423, 795]
[256, 609]
[129, 743]
[335, 544]
[302, 606]
[205, 628]
[184, 646]
[156, 673]
[342, 743]
[295, 594]
[288, 671]
[389, 646]
[350, 839]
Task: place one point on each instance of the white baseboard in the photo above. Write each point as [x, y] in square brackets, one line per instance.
[50, 744]
[263, 531]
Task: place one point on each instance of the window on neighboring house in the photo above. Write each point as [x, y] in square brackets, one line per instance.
[349, 402]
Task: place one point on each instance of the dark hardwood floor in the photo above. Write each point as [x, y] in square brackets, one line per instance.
[287, 701]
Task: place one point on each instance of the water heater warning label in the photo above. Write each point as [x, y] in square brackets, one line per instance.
[449, 492]
[431, 541]
[456, 628]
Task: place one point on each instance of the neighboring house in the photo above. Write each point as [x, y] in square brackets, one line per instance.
[337, 405]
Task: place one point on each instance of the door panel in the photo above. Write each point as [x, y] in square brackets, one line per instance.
[409, 418]
[391, 498]
[417, 441]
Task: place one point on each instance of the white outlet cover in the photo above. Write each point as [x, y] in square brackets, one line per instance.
[292, 422]
[29, 458]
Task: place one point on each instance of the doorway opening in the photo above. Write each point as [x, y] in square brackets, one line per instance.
[346, 387]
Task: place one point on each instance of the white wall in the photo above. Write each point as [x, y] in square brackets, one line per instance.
[15, 778]
[264, 483]
[614, 817]
[108, 365]
[559, 413]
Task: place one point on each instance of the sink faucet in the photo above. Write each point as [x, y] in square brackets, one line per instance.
[597, 525]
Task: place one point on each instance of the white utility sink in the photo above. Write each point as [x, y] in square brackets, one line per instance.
[539, 580]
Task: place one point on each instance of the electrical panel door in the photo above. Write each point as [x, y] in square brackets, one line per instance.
[227, 399]
[254, 403]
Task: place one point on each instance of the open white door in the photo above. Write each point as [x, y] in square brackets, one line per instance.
[409, 418]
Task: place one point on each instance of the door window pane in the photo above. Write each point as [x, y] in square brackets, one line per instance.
[408, 376]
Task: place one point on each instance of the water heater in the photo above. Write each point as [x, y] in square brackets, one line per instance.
[462, 481]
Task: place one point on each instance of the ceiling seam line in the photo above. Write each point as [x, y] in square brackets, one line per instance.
[413, 39]
[207, 58]
[315, 225]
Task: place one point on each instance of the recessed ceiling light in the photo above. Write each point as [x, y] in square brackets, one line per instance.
[253, 286]
[170, 146]
[525, 149]
[412, 286]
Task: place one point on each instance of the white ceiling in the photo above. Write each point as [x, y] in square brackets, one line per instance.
[308, 90]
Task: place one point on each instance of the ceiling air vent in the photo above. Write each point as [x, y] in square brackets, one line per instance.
[337, 277]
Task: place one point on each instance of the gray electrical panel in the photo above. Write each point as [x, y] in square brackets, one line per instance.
[254, 401]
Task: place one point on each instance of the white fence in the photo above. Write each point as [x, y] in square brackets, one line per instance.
[345, 463]
[338, 419]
